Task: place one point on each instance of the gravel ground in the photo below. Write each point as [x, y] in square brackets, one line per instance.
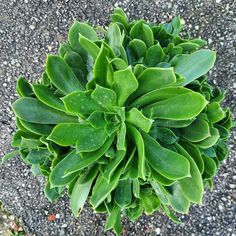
[29, 30]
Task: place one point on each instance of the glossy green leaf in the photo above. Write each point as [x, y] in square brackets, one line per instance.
[40, 129]
[173, 123]
[195, 153]
[61, 75]
[197, 131]
[155, 55]
[57, 177]
[9, 156]
[114, 38]
[142, 31]
[51, 193]
[135, 117]
[88, 158]
[112, 166]
[113, 216]
[214, 112]
[168, 163]
[89, 46]
[34, 111]
[154, 78]
[192, 66]
[80, 103]
[23, 88]
[125, 84]
[37, 156]
[210, 141]
[82, 29]
[138, 47]
[165, 135]
[150, 202]
[121, 137]
[158, 95]
[86, 137]
[139, 142]
[100, 67]
[81, 190]
[123, 193]
[104, 97]
[209, 165]
[193, 105]
[158, 178]
[177, 199]
[102, 188]
[47, 96]
[192, 187]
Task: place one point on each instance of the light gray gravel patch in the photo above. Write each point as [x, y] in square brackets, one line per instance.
[29, 30]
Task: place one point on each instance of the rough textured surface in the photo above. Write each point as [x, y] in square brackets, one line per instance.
[29, 30]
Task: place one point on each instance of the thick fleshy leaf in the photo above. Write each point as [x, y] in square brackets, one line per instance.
[142, 31]
[47, 96]
[194, 152]
[114, 215]
[23, 88]
[135, 117]
[173, 123]
[154, 78]
[192, 66]
[161, 192]
[160, 179]
[123, 193]
[40, 129]
[134, 213]
[86, 137]
[61, 75]
[114, 38]
[34, 111]
[165, 135]
[57, 177]
[197, 131]
[192, 187]
[125, 84]
[104, 97]
[138, 140]
[177, 199]
[112, 166]
[102, 188]
[168, 163]
[210, 141]
[155, 55]
[193, 104]
[89, 158]
[80, 103]
[81, 190]
[209, 165]
[150, 201]
[9, 155]
[100, 67]
[83, 29]
[138, 47]
[158, 95]
[214, 112]
[37, 156]
[89, 46]
[121, 137]
[51, 193]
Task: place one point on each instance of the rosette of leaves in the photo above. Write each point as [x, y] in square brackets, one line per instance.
[127, 120]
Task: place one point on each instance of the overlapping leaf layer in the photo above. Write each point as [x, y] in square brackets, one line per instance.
[126, 120]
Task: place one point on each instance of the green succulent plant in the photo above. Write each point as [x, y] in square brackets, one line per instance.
[126, 120]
